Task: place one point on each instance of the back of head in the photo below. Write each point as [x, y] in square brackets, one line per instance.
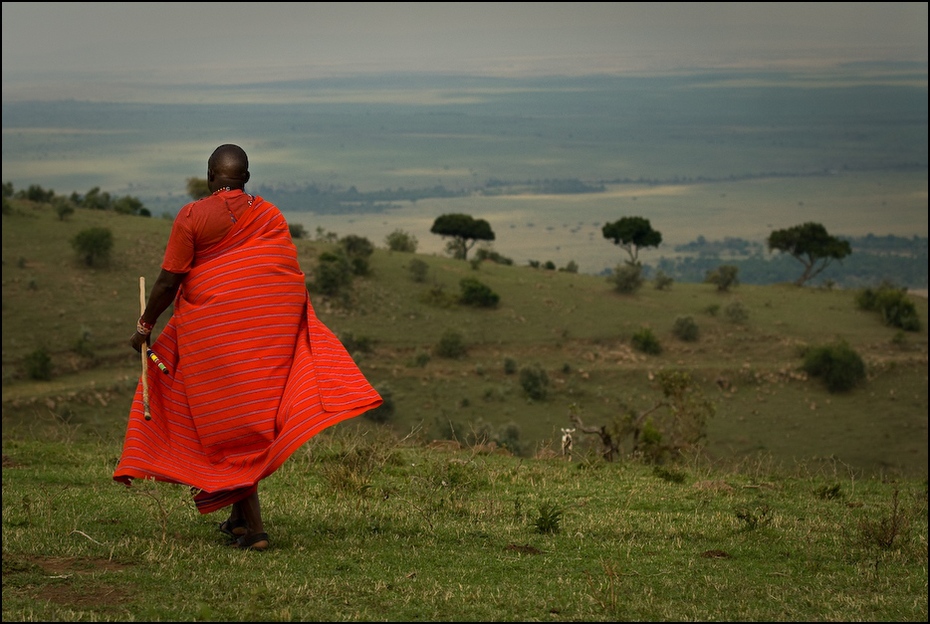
[228, 166]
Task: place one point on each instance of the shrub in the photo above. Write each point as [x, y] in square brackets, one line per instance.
[420, 360]
[451, 345]
[82, 346]
[662, 280]
[892, 304]
[550, 518]
[63, 208]
[510, 366]
[418, 270]
[685, 328]
[535, 382]
[475, 293]
[437, 296]
[39, 365]
[837, 364]
[399, 240]
[646, 342]
[736, 312]
[325, 236]
[358, 250]
[723, 277]
[356, 344]
[93, 245]
[485, 253]
[508, 437]
[627, 278]
[297, 230]
[332, 274]
[127, 205]
[385, 411]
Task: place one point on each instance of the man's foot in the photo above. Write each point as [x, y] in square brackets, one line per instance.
[234, 528]
[251, 541]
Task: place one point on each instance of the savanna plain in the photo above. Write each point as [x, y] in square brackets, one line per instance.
[459, 502]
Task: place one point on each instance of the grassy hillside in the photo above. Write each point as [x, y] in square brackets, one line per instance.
[574, 327]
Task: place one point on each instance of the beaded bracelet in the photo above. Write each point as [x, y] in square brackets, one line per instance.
[143, 328]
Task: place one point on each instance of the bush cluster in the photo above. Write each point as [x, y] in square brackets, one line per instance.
[400, 240]
[723, 277]
[535, 382]
[332, 274]
[93, 246]
[685, 329]
[476, 293]
[451, 345]
[892, 304]
[662, 280]
[627, 278]
[484, 253]
[39, 365]
[384, 412]
[358, 250]
[736, 312]
[837, 364]
[645, 341]
[510, 366]
[418, 270]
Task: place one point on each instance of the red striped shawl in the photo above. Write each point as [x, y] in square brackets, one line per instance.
[254, 373]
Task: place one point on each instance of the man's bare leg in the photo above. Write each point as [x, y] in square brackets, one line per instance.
[250, 510]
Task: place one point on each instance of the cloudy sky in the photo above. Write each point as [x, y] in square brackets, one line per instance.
[62, 50]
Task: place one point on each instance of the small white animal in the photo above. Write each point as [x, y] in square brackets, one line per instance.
[567, 441]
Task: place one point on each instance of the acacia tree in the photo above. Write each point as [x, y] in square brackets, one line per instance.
[464, 231]
[810, 245]
[632, 234]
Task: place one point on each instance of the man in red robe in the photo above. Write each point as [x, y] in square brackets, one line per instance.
[253, 373]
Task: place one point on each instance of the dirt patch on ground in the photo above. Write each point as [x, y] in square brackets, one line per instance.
[75, 565]
[60, 574]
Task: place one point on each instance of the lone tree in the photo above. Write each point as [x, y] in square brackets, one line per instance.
[464, 230]
[632, 234]
[810, 245]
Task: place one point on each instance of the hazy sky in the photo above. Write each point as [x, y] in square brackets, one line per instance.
[62, 50]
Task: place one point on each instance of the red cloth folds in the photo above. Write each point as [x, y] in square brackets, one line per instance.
[254, 373]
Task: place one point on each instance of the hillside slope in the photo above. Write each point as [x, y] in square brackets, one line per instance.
[575, 328]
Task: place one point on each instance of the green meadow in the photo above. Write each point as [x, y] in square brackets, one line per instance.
[799, 505]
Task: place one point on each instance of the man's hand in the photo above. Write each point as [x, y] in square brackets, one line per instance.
[137, 341]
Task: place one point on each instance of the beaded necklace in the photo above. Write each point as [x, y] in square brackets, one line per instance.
[232, 217]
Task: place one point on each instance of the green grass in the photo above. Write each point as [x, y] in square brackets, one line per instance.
[366, 527]
[802, 505]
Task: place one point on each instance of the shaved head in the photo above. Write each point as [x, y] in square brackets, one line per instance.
[228, 166]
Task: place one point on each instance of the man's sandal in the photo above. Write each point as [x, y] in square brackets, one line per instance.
[253, 541]
[233, 528]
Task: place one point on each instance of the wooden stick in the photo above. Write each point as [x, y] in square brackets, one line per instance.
[145, 364]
